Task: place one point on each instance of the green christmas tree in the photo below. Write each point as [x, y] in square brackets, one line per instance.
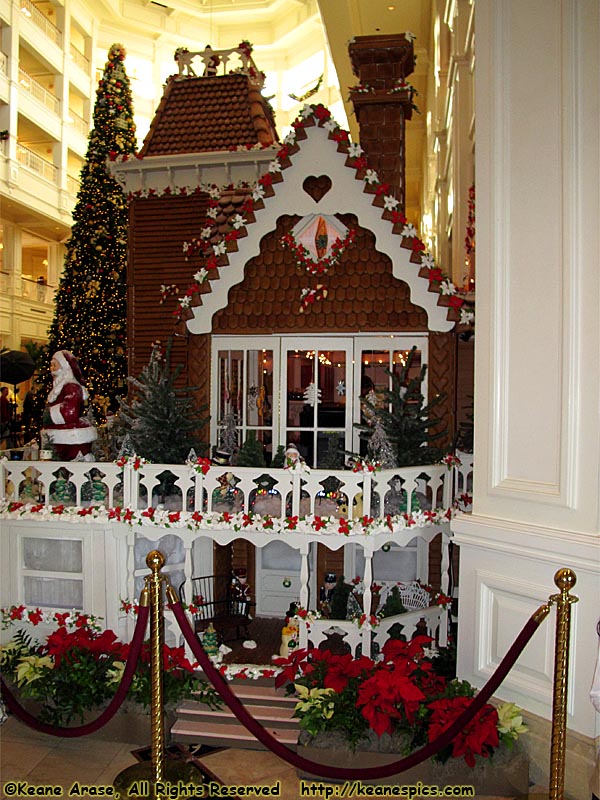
[90, 312]
[210, 641]
[161, 420]
[408, 423]
[251, 453]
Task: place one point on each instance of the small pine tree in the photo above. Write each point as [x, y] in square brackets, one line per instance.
[393, 604]
[380, 448]
[210, 641]
[339, 599]
[251, 453]
[162, 421]
[278, 461]
[406, 419]
[228, 439]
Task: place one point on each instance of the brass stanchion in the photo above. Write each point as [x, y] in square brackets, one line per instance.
[564, 579]
[143, 779]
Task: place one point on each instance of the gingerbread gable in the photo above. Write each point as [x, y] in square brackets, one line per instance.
[347, 190]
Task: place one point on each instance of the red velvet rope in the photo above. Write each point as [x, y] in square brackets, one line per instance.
[362, 773]
[91, 727]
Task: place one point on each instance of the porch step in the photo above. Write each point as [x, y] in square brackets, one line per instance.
[199, 724]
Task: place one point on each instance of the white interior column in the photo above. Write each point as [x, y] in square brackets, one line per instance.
[537, 433]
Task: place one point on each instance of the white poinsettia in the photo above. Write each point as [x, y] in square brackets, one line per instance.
[220, 249]
[206, 233]
[409, 230]
[510, 721]
[447, 287]
[201, 275]
[275, 166]
[371, 176]
[238, 221]
[214, 192]
[307, 112]
[390, 202]
[466, 317]
[290, 139]
[309, 698]
[184, 302]
[212, 213]
[427, 260]
[258, 192]
[330, 126]
[31, 668]
[355, 150]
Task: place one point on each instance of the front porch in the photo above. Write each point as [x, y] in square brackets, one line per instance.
[76, 535]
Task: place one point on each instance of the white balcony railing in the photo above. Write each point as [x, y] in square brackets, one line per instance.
[79, 124]
[34, 162]
[79, 59]
[39, 92]
[34, 290]
[276, 493]
[72, 185]
[41, 21]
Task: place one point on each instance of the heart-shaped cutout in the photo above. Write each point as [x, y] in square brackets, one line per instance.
[317, 187]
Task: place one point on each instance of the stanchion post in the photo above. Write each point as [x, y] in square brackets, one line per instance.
[141, 780]
[564, 579]
[155, 561]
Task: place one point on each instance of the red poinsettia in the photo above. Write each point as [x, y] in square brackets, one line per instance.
[385, 696]
[479, 736]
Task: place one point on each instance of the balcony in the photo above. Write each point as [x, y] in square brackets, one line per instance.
[29, 10]
[79, 59]
[39, 92]
[119, 512]
[34, 162]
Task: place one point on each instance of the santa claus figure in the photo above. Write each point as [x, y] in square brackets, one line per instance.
[70, 434]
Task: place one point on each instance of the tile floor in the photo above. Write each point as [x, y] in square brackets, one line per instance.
[40, 759]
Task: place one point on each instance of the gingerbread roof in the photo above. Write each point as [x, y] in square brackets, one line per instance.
[209, 114]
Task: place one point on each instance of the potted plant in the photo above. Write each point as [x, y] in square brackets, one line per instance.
[359, 711]
[77, 669]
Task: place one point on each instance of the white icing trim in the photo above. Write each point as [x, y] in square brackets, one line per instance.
[318, 155]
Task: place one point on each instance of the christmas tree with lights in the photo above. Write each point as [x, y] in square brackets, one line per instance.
[91, 309]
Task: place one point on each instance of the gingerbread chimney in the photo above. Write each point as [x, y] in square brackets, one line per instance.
[382, 102]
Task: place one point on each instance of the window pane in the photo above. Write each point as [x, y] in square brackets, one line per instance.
[259, 391]
[300, 374]
[53, 592]
[52, 555]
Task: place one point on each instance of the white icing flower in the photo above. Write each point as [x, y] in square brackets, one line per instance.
[371, 176]
[206, 233]
[220, 249]
[238, 221]
[306, 112]
[201, 275]
[390, 202]
[355, 150]
[275, 166]
[258, 192]
[409, 230]
[466, 317]
[212, 213]
[447, 287]
[330, 126]
[184, 302]
[290, 139]
[427, 260]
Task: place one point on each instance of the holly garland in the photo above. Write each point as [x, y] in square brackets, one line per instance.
[304, 260]
[213, 245]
